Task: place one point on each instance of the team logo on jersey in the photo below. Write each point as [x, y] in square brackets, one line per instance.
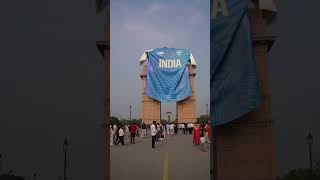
[160, 53]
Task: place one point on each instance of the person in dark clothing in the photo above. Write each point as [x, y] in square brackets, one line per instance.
[133, 131]
[158, 132]
[176, 129]
[185, 128]
[137, 131]
[191, 128]
[153, 129]
[144, 130]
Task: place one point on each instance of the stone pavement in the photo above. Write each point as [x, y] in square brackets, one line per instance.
[173, 159]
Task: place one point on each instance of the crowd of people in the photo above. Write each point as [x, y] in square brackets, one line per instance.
[158, 131]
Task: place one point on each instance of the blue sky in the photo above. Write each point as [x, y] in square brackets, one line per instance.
[145, 24]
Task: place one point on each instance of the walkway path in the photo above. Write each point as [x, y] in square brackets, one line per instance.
[173, 159]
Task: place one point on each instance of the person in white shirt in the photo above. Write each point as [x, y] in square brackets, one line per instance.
[114, 129]
[111, 136]
[168, 128]
[172, 129]
[191, 127]
[126, 130]
[121, 136]
[163, 131]
[202, 141]
[183, 128]
[153, 131]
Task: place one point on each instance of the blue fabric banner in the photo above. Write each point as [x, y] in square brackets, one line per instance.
[234, 87]
[167, 74]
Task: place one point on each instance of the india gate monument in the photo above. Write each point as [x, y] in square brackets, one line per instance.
[151, 108]
[243, 149]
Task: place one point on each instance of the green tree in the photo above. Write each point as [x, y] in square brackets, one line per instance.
[301, 174]
[114, 120]
[202, 119]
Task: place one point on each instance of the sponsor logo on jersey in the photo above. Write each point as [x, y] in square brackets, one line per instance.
[160, 53]
[169, 63]
[179, 52]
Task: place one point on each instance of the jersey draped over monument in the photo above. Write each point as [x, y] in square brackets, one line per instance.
[168, 77]
[240, 97]
[233, 77]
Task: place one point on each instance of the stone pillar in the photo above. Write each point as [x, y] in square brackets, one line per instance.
[244, 148]
[104, 48]
[150, 107]
[106, 120]
[186, 109]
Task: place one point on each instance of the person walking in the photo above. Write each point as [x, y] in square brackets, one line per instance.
[127, 131]
[189, 128]
[185, 128]
[121, 136]
[133, 132]
[208, 132]
[182, 128]
[168, 129]
[202, 141]
[153, 132]
[137, 130]
[172, 129]
[115, 137]
[163, 131]
[196, 134]
[144, 130]
[111, 136]
[176, 129]
[158, 133]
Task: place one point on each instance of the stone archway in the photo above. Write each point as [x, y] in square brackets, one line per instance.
[151, 109]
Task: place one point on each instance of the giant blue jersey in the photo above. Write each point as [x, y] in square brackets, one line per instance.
[234, 85]
[168, 74]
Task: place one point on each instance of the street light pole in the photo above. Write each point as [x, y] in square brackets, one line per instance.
[130, 107]
[1, 164]
[65, 150]
[310, 142]
[207, 111]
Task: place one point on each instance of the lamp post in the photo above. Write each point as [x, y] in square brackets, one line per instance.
[65, 150]
[310, 142]
[169, 114]
[130, 108]
[1, 164]
[207, 111]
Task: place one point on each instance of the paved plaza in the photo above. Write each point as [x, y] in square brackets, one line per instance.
[175, 158]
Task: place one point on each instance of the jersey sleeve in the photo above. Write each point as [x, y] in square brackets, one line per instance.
[192, 61]
[144, 56]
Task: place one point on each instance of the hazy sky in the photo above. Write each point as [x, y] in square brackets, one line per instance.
[51, 78]
[147, 24]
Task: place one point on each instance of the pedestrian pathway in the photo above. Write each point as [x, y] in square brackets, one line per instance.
[173, 159]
